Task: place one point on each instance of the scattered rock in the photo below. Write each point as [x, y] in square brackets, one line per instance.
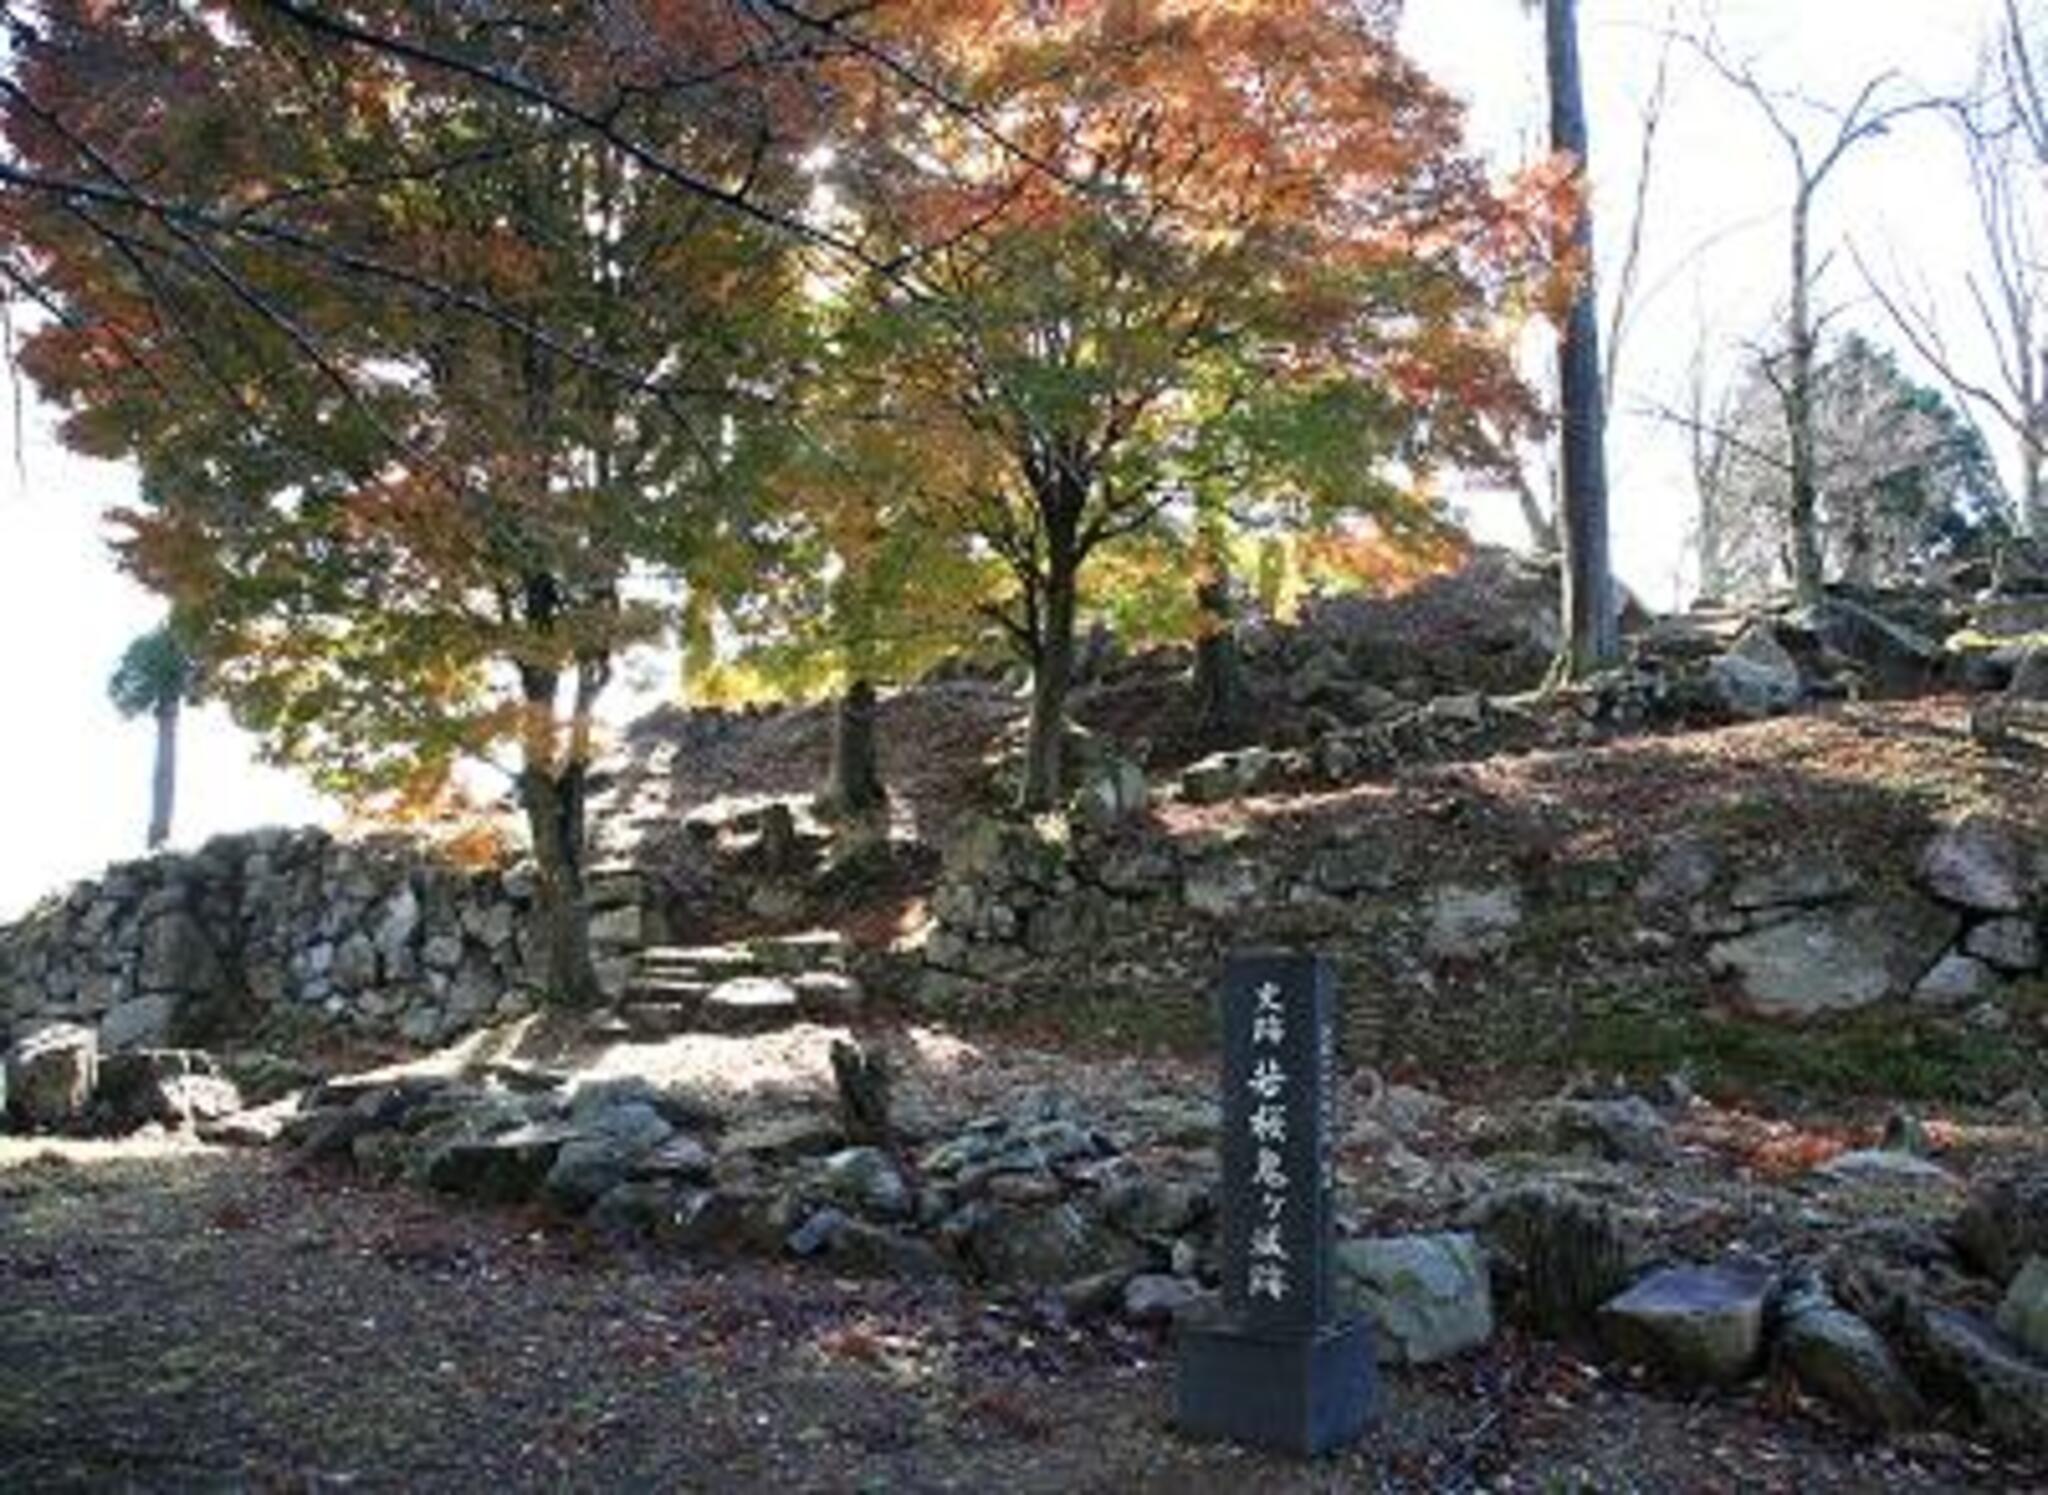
[817, 1232]
[508, 1168]
[1428, 1296]
[1976, 864]
[2023, 1312]
[1887, 1166]
[1156, 1298]
[1839, 1358]
[1628, 1130]
[1698, 1325]
[1015, 1245]
[2004, 1222]
[866, 1180]
[1960, 1358]
[1557, 1256]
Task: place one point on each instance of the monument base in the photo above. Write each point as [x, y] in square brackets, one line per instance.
[1293, 1394]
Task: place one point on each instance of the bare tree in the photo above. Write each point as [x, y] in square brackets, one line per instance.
[1592, 631]
[1813, 157]
[2003, 132]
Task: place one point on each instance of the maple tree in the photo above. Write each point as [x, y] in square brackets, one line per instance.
[414, 436]
[1183, 265]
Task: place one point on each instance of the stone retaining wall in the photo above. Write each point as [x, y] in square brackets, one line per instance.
[371, 935]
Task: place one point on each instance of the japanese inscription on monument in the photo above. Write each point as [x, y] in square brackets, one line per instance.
[1283, 1370]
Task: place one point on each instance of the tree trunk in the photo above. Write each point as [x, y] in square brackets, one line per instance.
[1052, 669]
[163, 783]
[1713, 565]
[2034, 448]
[1542, 532]
[855, 787]
[1591, 628]
[1222, 701]
[554, 819]
[1803, 512]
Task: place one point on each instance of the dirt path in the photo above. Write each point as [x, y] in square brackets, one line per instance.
[191, 1320]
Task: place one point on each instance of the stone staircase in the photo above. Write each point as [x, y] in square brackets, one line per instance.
[755, 987]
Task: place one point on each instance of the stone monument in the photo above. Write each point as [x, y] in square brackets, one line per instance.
[1282, 1368]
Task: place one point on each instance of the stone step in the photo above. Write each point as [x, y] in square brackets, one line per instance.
[653, 1019]
[703, 962]
[811, 950]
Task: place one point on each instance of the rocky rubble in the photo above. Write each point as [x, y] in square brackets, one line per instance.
[1816, 1279]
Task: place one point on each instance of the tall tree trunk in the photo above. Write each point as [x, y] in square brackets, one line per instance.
[1542, 532]
[163, 783]
[1803, 512]
[552, 783]
[1052, 671]
[554, 819]
[1592, 639]
[855, 787]
[1713, 564]
[2034, 447]
[1222, 702]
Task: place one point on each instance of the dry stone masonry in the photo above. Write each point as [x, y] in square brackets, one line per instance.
[374, 936]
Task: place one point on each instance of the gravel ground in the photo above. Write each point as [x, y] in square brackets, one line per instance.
[184, 1319]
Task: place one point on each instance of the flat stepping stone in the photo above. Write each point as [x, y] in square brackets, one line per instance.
[749, 1004]
[705, 962]
[1698, 1325]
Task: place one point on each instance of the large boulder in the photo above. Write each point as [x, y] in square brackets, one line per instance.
[1836, 959]
[174, 1087]
[1898, 658]
[51, 1073]
[1698, 1325]
[1428, 1296]
[1758, 677]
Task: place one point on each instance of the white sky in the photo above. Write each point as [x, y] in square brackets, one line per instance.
[74, 777]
